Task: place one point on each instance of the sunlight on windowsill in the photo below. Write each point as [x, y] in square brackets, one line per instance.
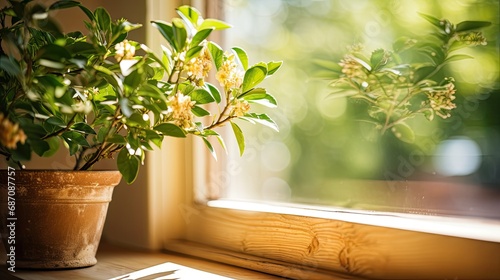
[170, 270]
[464, 227]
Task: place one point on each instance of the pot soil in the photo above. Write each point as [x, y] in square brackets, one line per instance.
[58, 216]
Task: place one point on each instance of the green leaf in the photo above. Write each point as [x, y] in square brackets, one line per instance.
[10, 66]
[240, 139]
[242, 56]
[57, 121]
[166, 30]
[22, 152]
[180, 34]
[81, 48]
[209, 132]
[103, 18]
[33, 130]
[423, 73]
[210, 148]
[133, 79]
[116, 139]
[170, 129]
[471, 25]
[260, 96]
[193, 52]
[262, 119]
[434, 21]
[213, 23]
[73, 148]
[125, 107]
[190, 14]
[214, 91]
[145, 145]
[457, 57]
[403, 132]
[102, 133]
[39, 146]
[186, 88]
[151, 91]
[273, 66]
[137, 120]
[166, 58]
[53, 52]
[88, 12]
[128, 165]
[54, 144]
[378, 59]
[75, 137]
[362, 63]
[253, 76]
[128, 67]
[201, 96]
[402, 43]
[429, 114]
[200, 36]
[110, 77]
[200, 112]
[328, 65]
[63, 5]
[217, 54]
[128, 26]
[255, 93]
[434, 52]
[154, 137]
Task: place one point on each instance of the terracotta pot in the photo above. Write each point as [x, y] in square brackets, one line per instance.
[58, 216]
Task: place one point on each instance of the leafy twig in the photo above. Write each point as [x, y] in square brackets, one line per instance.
[62, 130]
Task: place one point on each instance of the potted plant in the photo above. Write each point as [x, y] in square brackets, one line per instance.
[102, 96]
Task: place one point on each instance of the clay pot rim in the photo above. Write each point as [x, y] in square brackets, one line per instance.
[60, 170]
[104, 177]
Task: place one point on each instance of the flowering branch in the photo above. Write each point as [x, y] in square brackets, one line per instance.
[390, 84]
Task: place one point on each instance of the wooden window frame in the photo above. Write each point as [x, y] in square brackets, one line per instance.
[280, 240]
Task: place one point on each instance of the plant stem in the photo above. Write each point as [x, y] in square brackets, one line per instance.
[98, 155]
[8, 156]
[175, 70]
[220, 122]
[79, 158]
[103, 149]
[402, 119]
[62, 130]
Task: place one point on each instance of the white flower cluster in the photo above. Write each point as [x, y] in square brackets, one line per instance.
[229, 76]
[179, 110]
[124, 51]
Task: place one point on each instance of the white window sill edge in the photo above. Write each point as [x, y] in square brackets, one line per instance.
[463, 227]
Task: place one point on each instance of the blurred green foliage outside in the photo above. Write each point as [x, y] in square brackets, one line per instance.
[323, 139]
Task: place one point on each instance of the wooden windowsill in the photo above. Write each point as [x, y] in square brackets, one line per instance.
[116, 262]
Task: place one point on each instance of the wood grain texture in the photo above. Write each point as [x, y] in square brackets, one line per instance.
[275, 267]
[116, 261]
[355, 249]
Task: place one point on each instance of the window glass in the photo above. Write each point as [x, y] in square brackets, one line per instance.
[338, 150]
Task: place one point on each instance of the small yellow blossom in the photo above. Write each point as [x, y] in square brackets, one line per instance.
[355, 48]
[229, 76]
[179, 107]
[240, 108]
[10, 133]
[474, 39]
[441, 100]
[90, 93]
[124, 50]
[351, 68]
[198, 67]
